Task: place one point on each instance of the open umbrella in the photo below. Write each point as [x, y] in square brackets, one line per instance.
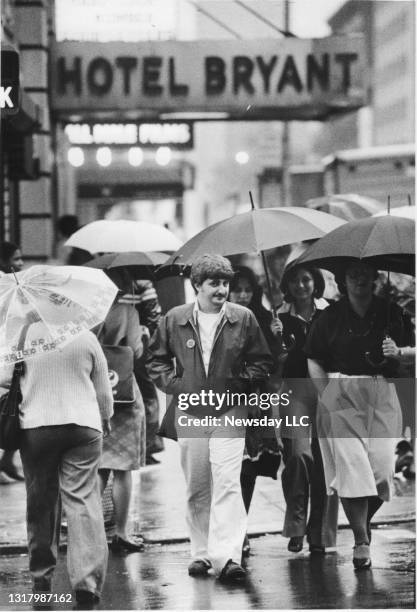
[66, 300]
[141, 265]
[409, 212]
[348, 206]
[385, 242]
[122, 235]
[255, 231]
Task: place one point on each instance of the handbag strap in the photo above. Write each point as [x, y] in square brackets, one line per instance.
[19, 366]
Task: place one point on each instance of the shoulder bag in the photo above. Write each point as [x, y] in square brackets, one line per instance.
[121, 374]
[10, 431]
[120, 364]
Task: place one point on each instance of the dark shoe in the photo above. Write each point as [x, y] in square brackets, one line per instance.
[315, 549]
[119, 544]
[361, 556]
[295, 544]
[246, 547]
[152, 461]
[12, 472]
[86, 600]
[199, 567]
[232, 572]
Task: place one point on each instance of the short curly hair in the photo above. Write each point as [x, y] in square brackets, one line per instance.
[341, 270]
[290, 273]
[210, 266]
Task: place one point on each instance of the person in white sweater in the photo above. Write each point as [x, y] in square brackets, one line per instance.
[66, 407]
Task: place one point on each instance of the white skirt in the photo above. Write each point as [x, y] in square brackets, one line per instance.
[359, 422]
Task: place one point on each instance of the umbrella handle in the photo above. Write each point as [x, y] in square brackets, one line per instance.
[375, 364]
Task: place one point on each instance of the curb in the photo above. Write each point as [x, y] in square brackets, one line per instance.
[21, 549]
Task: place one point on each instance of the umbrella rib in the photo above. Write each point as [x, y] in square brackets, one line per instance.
[36, 309]
[13, 289]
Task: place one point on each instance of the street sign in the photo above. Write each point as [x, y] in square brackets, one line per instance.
[9, 88]
[146, 135]
[287, 78]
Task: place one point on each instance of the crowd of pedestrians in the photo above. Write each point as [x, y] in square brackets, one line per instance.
[336, 358]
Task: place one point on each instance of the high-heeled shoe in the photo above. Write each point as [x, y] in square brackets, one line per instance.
[295, 544]
[119, 544]
[361, 556]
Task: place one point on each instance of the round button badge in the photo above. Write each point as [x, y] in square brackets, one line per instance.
[190, 343]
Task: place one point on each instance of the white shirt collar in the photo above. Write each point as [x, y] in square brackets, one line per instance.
[197, 309]
[319, 304]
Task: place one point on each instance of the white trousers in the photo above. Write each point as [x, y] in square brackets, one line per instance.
[216, 516]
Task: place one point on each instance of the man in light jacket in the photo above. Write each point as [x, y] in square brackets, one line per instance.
[210, 350]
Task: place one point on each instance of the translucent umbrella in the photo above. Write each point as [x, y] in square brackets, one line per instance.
[63, 301]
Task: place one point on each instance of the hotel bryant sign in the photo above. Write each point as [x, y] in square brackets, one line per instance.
[287, 78]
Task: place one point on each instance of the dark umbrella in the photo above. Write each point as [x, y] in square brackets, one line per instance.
[385, 242]
[141, 265]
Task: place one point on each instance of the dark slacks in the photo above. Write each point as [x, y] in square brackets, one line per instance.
[303, 480]
[63, 459]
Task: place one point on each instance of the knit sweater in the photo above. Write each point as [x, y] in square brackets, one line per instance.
[70, 385]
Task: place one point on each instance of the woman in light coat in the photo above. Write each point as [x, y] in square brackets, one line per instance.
[66, 406]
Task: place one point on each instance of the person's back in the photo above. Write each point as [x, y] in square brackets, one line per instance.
[65, 386]
[66, 404]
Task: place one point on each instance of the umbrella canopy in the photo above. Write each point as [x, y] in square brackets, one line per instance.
[141, 265]
[348, 206]
[386, 242]
[120, 236]
[409, 212]
[66, 300]
[254, 231]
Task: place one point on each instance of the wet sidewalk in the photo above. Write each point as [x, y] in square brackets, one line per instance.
[157, 579]
[158, 506]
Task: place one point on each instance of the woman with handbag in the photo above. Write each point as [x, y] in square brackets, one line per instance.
[262, 454]
[303, 477]
[66, 406]
[124, 448]
[10, 259]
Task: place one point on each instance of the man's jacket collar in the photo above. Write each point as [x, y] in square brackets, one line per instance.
[229, 314]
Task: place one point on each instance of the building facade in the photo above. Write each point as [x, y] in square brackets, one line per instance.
[389, 29]
[27, 209]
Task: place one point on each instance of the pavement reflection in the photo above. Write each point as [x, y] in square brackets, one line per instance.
[157, 579]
